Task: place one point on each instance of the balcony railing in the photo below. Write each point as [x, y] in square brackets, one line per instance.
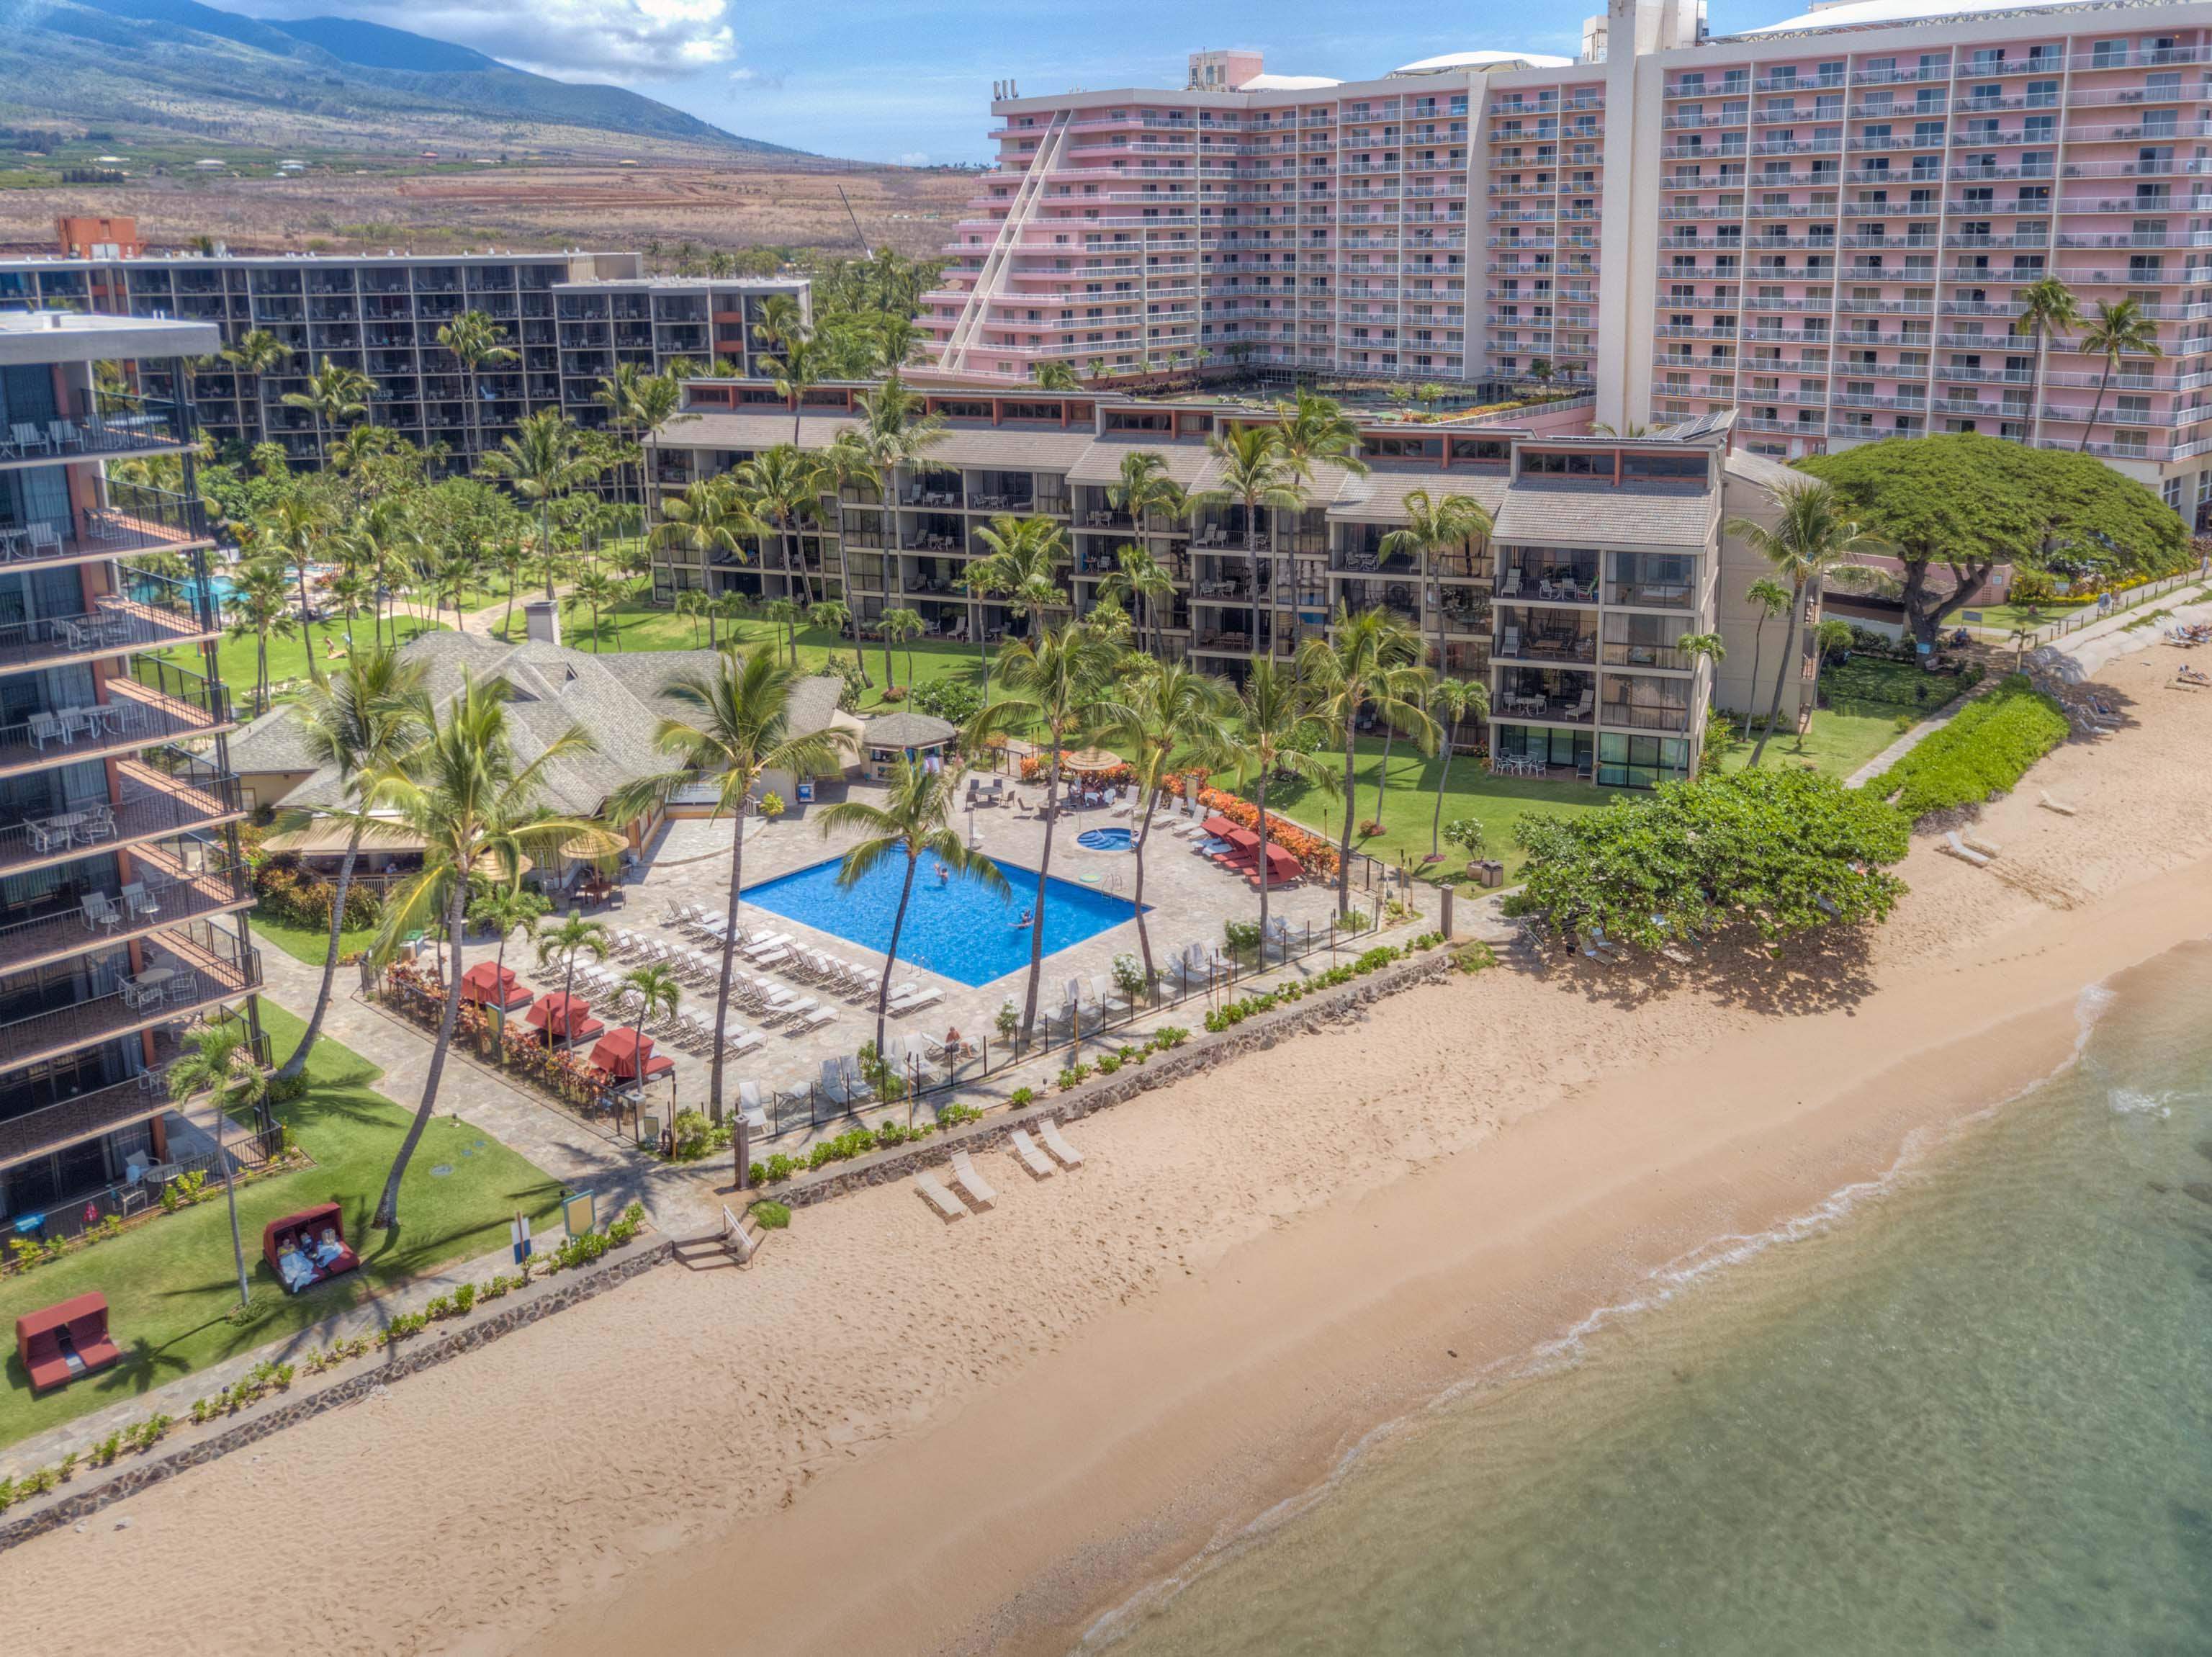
[189, 968]
[1647, 717]
[110, 423]
[159, 701]
[165, 900]
[163, 793]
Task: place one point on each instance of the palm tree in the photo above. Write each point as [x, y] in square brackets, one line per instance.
[2047, 308]
[2120, 331]
[653, 401]
[1365, 665]
[659, 994]
[781, 487]
[219, 1057]
[338, 398]
[1023, 566]
[259, 353]
[477, 343]
[597, 591]
[779, 321]
[1144, 489]
[1771, 598]
[295, 526]
[692, 602]
[832, 615]
[1254, 472]
[1454, 701]
[900, 627]
[258, 607]
[1055, 376]
[1829, 636]
[915, 821]
[464, 794]
[1433, 528]
[801, 367]
[895, 429]
[1177, 717]
[541, 463]
[617, 395]
[1275, 721]
[1314, 428]
[362, 724]
[1811, 538]
[502, 911]
[1055, 688]
[706, 519]
[737, 728]
[567, 940]
[786, 613]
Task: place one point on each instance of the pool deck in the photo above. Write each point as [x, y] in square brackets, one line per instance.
[1188, 898]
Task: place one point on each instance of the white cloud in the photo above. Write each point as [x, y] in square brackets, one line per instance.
[915, 158]
[620, 40]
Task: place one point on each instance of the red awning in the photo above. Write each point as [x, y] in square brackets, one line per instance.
[619, 1052]
[493, 985]
[565, 1017]
[1217, 826]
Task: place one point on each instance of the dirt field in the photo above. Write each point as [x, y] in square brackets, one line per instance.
[713, 205]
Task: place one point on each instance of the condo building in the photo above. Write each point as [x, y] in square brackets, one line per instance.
[122, 892]
[1823, 225]
[1605, 552]
[570, 318]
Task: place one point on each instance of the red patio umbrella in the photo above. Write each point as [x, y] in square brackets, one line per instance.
[564, 1018]
[494, 985]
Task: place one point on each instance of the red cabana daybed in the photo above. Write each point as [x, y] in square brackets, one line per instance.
[1282, 868]
[620, 1054]
[1218, 827]
[490, 984]
[61, 1341]
[306, 1229]
[564, 1018]
[1243, 850]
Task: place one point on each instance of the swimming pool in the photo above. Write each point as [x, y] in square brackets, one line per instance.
[1106, 839]
[955, 926]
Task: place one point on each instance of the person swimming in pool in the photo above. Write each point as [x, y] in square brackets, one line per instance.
[1023, 922]
[943, 875]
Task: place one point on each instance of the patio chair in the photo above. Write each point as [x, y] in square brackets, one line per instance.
[749, 1106]
[1048, 1130]
[972, 1185]
[45, 540]
[947, 1205]
[820, 1018]
[1106, 997]
[45, 728]
[99, 910]
[1027, 1153]
[184, 989]
[738, 1043]
[29, 439]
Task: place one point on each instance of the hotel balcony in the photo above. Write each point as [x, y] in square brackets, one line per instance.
[137, 518]
[1552, 696]
[159, 702]
[1544, 636]
[189, 969]
[111, 425]
[185, 881]
[1646, 704]
[159, 618]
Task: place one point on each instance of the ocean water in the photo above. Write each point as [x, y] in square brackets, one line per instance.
[956, 926]
[1966, 1410]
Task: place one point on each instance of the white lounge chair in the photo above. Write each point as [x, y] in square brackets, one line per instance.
[1027, 1153]
[923, 997]
[741, 1242]
[1962, 851]
[948, 1206]
[760, 947]
[749, 1106]
[2058, 806]
[976, 1189]
[1056, 1142]
[1106, 997]
[820, 1017]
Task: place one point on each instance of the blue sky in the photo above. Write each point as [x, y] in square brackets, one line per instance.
[878, 81]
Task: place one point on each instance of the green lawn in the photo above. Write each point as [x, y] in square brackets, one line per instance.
[302, 944]
[170, 1280]
[287, 657]
[1872, 701]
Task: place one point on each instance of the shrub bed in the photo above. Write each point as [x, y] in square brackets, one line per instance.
[1981, 753]
[1235, 1012]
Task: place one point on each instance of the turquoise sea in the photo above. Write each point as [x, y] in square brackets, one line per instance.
[1966, 1410]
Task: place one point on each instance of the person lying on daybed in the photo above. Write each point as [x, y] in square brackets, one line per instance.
[327, 1248]
[297, 1269]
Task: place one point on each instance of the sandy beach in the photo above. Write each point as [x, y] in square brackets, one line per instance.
[893, 1435]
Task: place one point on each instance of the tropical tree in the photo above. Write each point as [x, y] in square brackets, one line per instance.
[900, 627]
[363, 724]
[503, 908]
[1811, 539]
[1770, 598]
[464, 794]
[218, 1058]
[1146, 582]
[786, 613]
[654, 992]
[1433, 528]
[1023, 567]
[1451, 702]
[915, 821]
[1055, 376]
[1829, 638]
[1253, 472]
[2121, 331]
[802, 365]
[1313, 429]
[475, 342]
[895, 429]
[260, 353]
[543, 464]
[1056, 689]
[618, 394]
[831, 616]
[1177, 717]
[258, 607]
[294, 528]
[2047, 309]
[567, 940]
[779, 321]
[706, 519]
[337, 396]
[598, 590]
[1366, 666]
[781, 487]
[1143, 489]
[1274, 731]
[735, 728]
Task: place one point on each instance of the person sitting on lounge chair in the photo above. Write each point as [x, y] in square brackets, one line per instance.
[2196, 676]
[295, 1268]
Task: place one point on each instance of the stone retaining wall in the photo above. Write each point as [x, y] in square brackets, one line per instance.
[1195, 1057]
[132, 1473]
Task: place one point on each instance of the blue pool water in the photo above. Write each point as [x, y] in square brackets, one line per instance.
[1107, 839]
[955, 926]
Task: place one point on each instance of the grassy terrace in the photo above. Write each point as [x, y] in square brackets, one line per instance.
[1871, 701]
[170, 1282]
[305, 944]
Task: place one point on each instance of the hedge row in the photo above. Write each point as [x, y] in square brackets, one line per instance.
[1981, 753]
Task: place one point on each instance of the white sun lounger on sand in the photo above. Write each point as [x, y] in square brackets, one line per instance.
[2058, 806]
[1029, 1155]
[965, 1176]
[741, 1244]
[947, 1205]
[1056, 1142]
[1964, 853]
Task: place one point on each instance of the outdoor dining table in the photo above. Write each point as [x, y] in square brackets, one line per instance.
[147, 987]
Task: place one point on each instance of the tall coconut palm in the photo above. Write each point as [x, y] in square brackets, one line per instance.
[362, 724]
[900, 627]
[618, 394]
[1433, 528]
[655, 993]
[1273, 731]
[567, 940]
[1055, 376]
[598, 590]
[1142, 490]
[802, 365]
[1771, 598]
[1452, 702]
[296, 528]
[915, 821]
[1023, 567]
[1177, 717]
[2120, 331]
[778, 321]
[895, 429]
[1147, 583]
[258, 607]
[1055, 689]
[1366, 666]
[706, 519]
[782, 487]
[543, 464]
[220, 1058]
[1312, 428]
[734, 729]
[260, 353]
[1253, 472]
[832, 616]
[475, 342]
[465, 795]
[2047, 309]
[338, 399]
[787, 614]
[1810, 540]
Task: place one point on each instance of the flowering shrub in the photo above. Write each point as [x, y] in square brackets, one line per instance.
[297, 897]
[1315, 855]
[560, 1072]
[1035, 766]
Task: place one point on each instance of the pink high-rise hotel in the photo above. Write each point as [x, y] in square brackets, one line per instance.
[1823, 224]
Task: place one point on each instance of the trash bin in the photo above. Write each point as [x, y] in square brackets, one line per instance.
[1493, 871]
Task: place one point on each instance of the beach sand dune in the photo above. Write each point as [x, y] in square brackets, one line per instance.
[898, 1435]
